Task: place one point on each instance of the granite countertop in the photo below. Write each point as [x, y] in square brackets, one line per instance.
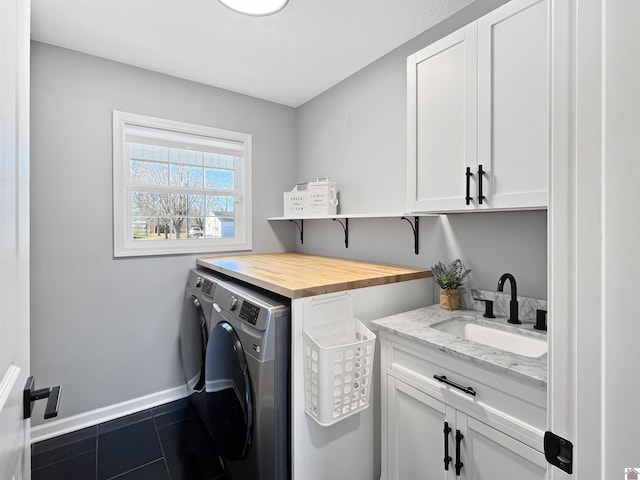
[416, 325]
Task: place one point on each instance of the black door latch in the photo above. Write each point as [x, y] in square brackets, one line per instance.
[30, 395]
[558, 452]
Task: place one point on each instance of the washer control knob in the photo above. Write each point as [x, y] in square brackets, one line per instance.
[198, 282]
[234, 303]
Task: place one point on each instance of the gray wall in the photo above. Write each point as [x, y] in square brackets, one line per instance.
[107, 329]
[356, 134]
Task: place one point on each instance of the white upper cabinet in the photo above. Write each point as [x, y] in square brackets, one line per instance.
[478, 114]
[513, 104]
[442, 121]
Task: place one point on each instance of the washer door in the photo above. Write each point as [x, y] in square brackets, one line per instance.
[193, 343]
[228, 387]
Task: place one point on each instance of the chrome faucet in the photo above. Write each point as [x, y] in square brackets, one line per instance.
[513, 304]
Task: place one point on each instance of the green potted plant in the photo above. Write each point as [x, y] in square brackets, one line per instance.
[450, 278]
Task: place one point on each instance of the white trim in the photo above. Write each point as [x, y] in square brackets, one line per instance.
[99, 415]
[123, 243]
[15, 27]
[561, 263]
[576, 237]
[8, 381]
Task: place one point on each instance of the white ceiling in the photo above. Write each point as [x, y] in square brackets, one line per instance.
[288, 58]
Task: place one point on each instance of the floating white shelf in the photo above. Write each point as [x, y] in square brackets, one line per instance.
[415, 226]
[356, 215]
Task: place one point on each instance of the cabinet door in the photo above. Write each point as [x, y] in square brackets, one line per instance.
[513, 104]
[415, 439]
[490, 454]
[441, 122]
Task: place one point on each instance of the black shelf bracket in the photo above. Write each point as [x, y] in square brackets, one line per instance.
[415, 226]
[345, 227]
[343, 220]
[301, 228]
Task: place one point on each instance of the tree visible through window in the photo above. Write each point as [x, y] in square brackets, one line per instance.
[173, 215]
[179, 187]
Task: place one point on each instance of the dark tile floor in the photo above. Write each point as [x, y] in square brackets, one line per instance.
[163, 443]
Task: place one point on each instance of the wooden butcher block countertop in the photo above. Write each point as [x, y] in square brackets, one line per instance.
[297, 275]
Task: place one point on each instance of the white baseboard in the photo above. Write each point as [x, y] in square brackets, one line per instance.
[94, 417]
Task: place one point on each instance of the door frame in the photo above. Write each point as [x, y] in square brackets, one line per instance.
[15, 18]
[575, 230]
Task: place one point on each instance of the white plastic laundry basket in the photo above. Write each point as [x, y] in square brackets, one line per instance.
[338, 365]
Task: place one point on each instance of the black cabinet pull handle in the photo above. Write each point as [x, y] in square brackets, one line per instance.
[447, 458]
[481, 172]
[467, 390]
[468, 197]
[459, 463]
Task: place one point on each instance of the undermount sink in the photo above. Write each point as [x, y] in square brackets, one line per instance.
[469, 329]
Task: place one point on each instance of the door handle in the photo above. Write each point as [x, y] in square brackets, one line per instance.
[30, 395]
[481, 173]
[459, 463]
[445, 380]
[447, 458]
[468, 197]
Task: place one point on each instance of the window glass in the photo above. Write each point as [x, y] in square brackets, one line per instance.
[179, 188]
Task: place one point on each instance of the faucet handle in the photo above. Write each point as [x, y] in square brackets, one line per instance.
[488, 307]
[541, 320]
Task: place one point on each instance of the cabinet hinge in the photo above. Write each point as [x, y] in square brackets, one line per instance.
[558, 451]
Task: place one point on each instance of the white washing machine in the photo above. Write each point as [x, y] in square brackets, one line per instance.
[235, 353]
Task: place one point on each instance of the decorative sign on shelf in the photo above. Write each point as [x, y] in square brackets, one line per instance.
[310, 199]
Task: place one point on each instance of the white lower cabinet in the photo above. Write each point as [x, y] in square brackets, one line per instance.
[415, 436]
[488, 453]
[432, 431]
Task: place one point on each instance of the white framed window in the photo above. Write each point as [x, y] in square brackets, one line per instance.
[179, 188]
